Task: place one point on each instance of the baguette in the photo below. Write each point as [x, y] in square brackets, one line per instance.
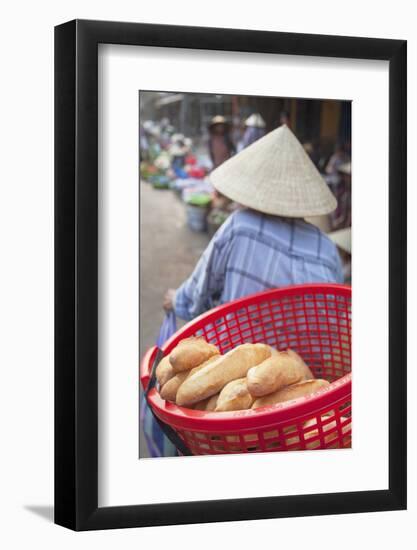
[164, 371]
[331, 440]
[307, 374]
[201, 405]
[273, 350]
[212, 402]
[289, 393]
[211, 379]
[169, 389]
[190, 353]
[234, 396]
[208, 404]
[282, 369]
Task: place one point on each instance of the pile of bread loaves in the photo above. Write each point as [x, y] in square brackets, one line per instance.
[197, 376]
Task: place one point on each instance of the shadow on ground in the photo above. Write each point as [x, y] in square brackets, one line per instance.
[45, 512]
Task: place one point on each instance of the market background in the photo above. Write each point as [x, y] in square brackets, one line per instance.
[179, 208]
[26, 220]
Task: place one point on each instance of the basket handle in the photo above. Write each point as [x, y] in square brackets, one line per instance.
[168, 431]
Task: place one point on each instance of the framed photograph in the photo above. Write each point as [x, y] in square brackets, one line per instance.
[230, 253]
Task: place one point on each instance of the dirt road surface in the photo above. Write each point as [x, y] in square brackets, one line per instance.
[169, 252]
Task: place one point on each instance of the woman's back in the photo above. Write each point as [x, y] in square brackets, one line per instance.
[252, 252]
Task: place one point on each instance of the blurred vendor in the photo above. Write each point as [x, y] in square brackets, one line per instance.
[338, 158]
[221, 147]
[178, 151]
[266, 243]
[255, 129]
[342, 217]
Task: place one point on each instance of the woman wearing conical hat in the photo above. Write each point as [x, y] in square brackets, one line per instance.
[255, 129]
[220, 144]
[267, 243]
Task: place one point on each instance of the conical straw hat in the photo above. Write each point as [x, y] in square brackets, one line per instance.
[345, 168]
[276, 176]
[218, 119]
[255, 120]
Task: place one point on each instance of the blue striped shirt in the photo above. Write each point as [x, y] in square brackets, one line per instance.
[252, 252]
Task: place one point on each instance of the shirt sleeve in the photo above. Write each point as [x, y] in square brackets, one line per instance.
[205, 285]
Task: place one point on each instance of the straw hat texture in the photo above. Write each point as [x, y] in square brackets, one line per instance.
[218, 119]
[275, 175]
[255, 120]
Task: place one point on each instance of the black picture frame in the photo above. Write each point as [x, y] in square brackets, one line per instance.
[76, 272]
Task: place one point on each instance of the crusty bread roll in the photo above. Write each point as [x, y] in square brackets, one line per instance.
[190, 353]
[208, 404]
[201, 405]
[211, 379]
[331, 440]
[289, 393]
[212, 402]
[234, 396]
[170, 388]
[164, 371]
[331, 434]
[274, 351]
[308, 375]
[276, 372]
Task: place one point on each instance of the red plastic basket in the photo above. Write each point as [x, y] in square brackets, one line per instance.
[315, 321]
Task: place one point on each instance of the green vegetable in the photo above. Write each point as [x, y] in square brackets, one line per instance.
[198, 199]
